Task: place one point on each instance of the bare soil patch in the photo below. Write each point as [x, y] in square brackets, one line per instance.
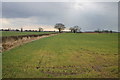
[12, 43]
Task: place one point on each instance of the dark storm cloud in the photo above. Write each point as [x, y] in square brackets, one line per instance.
[28, 9]
[89, 16]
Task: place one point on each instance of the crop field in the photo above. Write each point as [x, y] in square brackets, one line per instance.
[14, 33]
[66, 55]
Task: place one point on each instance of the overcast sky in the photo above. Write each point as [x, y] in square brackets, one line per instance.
[87, 15]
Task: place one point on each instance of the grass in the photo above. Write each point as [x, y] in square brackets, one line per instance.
[15, 33]
[66, 55]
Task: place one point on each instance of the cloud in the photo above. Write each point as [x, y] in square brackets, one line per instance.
[87, 15]
[61, 1]
[25, 23]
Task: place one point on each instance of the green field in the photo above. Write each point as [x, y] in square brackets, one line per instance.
[15, 33]
[67, 55]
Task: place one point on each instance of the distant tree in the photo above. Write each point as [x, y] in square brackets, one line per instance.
[105, 31]
[111, 31]
[21, 29]
[72, 29]
[32, 30]
[98, 31]
[60, 27]
[40, 29]
[16, 30]
[75, 29]
[26, 30]
[9, 29]
[29, 30]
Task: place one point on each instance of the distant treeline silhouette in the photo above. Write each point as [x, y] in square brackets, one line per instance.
[60, 27]
[21, 30]
[103, 31]
[96, 31]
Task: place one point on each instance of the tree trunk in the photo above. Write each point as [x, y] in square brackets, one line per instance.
[39, 30]
[59, 30]
[21, 30]
[74, 31]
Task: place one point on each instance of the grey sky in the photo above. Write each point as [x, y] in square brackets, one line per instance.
[87, 15]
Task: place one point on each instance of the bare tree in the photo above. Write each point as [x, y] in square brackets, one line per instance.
[75, 29]
[60, 26]
[72, 29]
[98, 30]
[40, 29]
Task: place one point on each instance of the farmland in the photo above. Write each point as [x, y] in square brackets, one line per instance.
[67, 55]
[15, 33]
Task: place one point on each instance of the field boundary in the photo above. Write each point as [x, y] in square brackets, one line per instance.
[9, 42]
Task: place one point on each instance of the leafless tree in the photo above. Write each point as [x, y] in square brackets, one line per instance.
[60, 26]
[40, 29]
[72, 29]
[75, 29]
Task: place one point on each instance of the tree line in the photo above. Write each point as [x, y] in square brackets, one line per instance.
[21, 30]
[60, 28]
